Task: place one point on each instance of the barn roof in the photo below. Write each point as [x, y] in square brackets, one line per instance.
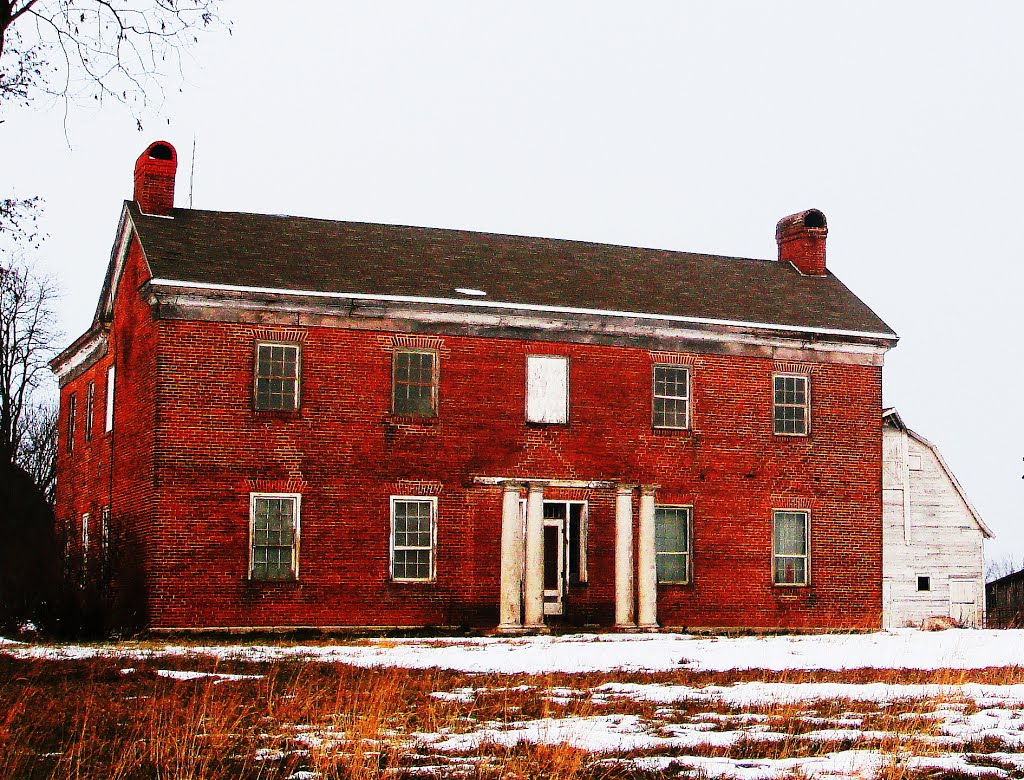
[297, 254]
[892, 417]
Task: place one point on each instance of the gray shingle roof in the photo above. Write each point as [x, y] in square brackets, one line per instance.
[296, 253]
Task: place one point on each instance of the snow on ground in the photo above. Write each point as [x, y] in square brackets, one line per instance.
[901, 648]
[218, 677]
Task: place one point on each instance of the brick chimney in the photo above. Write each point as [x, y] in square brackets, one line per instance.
[154, 178]
[801, 239]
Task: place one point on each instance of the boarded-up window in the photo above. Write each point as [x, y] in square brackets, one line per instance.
[547, 389]
[110, 400]
[791, 543]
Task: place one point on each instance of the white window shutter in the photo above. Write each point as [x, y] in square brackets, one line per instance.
[547, 389]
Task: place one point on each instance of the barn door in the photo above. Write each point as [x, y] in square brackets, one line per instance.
[963, 605]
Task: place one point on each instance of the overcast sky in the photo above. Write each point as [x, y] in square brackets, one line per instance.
[677, 125]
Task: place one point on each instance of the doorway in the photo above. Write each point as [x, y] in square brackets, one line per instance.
[565, 531]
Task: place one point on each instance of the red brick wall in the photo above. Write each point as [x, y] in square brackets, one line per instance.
[115, 469]
[346, 455]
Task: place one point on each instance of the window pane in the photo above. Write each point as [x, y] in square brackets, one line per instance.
[273, 537]
[414, 392]
[790, 533]
[671, 532]
[412, 540]
[277, 373]
[671, 391]
[672, 567]
[790, 570]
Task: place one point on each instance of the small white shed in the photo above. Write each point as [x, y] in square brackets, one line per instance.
[932, 553]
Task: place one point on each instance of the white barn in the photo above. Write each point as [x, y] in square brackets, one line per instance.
[932, 553]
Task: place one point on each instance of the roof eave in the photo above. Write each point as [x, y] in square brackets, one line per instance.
[886, 340]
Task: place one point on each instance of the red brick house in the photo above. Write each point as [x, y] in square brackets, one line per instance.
[291, 422]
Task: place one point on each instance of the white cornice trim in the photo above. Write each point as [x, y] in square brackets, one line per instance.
[79, 357]
[523, 307]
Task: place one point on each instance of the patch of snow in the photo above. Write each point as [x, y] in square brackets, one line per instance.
[177, 674]
[953, 649]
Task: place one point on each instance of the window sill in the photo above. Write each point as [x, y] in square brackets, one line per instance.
[682, 432]
[411, 419]
[425, 584]
[791, 435]
[257, 582]
[277, 414]
[545, 425]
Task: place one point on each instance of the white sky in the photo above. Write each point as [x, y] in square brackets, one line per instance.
[678, 125]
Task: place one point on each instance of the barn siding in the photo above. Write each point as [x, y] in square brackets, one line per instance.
[942, 540]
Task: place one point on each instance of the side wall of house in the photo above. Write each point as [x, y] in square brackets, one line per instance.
[941, 541]
[114, 470]
[346, 454]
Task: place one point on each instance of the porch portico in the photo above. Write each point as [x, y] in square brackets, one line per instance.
[522, 603]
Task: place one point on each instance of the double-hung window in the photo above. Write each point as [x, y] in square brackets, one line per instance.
[792, 405]
[672, 543]
[547, 389]
[274, 534]
[72, 414]
[671, 408]
[413, 538]
[414, 382]
[277, 377]
[90, 400]
[791, 542]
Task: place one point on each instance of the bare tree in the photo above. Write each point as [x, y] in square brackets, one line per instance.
[37, 446]
[998, 568]
[27, 337]
[96, 49]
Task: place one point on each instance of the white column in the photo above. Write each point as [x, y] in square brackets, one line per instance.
[534, 590]
[511, 603]
[647, 563]
[625, 616]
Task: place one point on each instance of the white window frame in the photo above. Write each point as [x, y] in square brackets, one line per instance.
[296, 395]
[85, 538]
[806, 405]
[90, 411]
[689, 544]
[655, 396]
[105, 534]
[538, 408]
[109, 422]
[807, 548]
[69, 445]
[432, 500]
[296, 535]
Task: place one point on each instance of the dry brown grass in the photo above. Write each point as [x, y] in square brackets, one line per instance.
[89, 719]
